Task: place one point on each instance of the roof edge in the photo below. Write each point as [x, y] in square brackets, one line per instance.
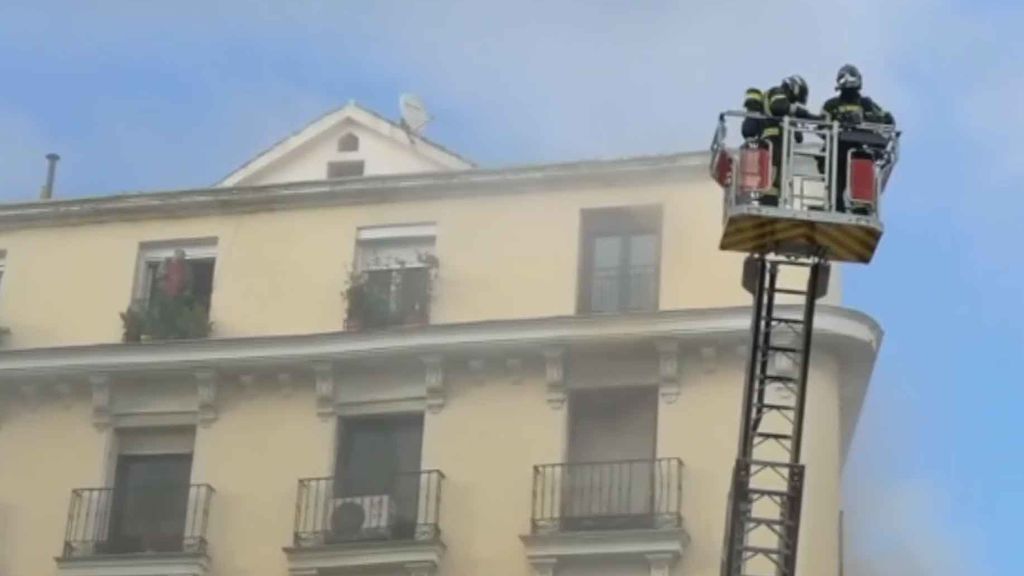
[363, 189]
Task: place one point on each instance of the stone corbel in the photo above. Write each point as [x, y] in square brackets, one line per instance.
[543, 566]
[708, 359]
[661, 564]
[668, 369]
[554, 375]
[206, 392]
[325, 389]
[100, 384]
[514, 367]
[433, 365]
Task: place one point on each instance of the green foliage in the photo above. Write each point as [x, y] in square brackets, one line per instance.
[166, 318]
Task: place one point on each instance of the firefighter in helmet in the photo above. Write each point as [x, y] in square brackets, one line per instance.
[851, 109]
[787, 99]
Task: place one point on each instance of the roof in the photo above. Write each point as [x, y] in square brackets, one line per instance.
[362, 189]
[363, 116]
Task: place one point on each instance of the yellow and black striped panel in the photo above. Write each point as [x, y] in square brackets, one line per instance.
[842, 242]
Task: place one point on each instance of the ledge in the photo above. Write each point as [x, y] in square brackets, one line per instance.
[852, 336]
[327, 559]
[135, 565]
[598, 543]
[832, 324]
[388, 188]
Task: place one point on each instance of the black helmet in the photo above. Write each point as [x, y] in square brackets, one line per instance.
[848, 78]
[796, 86]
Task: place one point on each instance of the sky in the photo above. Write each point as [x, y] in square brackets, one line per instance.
[153, 96]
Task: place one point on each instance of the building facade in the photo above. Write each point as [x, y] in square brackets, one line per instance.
[359, 354]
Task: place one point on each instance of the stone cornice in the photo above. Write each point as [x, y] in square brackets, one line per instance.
[844, 328]
[362, 190]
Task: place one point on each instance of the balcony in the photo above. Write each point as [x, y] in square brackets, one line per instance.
[630, 289]
[384, 298]
[620, 508]
[396, 526]
[129, 532]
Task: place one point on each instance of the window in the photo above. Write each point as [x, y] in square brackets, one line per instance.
[157, 270]
[151, 491]
[348, 143]
[395, 266]
[619, 259]
[378, 471]
[611, 473]
[345, 169]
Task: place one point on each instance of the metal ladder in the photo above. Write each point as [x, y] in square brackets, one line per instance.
[796, 174]
[767, 485]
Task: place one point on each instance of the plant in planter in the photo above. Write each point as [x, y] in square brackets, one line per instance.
[172, 312]
[356, 298]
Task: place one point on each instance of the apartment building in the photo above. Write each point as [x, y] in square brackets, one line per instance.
[359, 354]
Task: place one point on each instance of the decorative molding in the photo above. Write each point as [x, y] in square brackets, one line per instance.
[477, 368]
[433, 365]
[633, 543]
[100, 385]
[380, 189]
[181, 564]
[708, 358]
[325, 389]
[421, 568]
[554, 375]
[368, 555]
[661, 564]
[369, 408]
[668, 369]
[206, 391]
[543, 566]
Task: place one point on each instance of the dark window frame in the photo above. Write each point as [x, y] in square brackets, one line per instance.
[627, 223]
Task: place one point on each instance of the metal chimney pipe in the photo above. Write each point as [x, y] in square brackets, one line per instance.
[51, 174]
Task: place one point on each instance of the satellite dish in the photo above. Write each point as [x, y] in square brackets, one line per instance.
[414, 113]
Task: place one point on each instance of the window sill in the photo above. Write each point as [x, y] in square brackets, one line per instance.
[329, 558]
[143, 564]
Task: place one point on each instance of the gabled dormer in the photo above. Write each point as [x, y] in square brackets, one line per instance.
[351, 141]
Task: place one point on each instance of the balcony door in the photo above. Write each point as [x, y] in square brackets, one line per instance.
[150, 503]
[620, 255]
[609, 481]
[378, 472]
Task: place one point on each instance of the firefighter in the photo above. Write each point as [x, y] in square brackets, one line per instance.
[850, 109]
[787, 99]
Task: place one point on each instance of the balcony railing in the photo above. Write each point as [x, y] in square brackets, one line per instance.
[403, 508]
[104, 521]
[607, 495]
[618, 290]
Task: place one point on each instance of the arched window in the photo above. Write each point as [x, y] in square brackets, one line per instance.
[348, 143]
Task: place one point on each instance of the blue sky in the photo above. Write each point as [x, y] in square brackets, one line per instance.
[145, 96]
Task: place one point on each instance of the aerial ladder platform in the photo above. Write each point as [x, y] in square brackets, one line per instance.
[792, 220]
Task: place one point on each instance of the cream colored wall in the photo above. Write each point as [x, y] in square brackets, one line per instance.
[486, 441]
[281, 273]
[502, 257]
[381, 155]
[254, 454]
[47, 448]
[701, 427]
[491, 432]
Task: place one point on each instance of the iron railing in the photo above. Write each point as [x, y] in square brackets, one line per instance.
[607, 495]
[617, 290]
[105, 521]
[405, 507]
